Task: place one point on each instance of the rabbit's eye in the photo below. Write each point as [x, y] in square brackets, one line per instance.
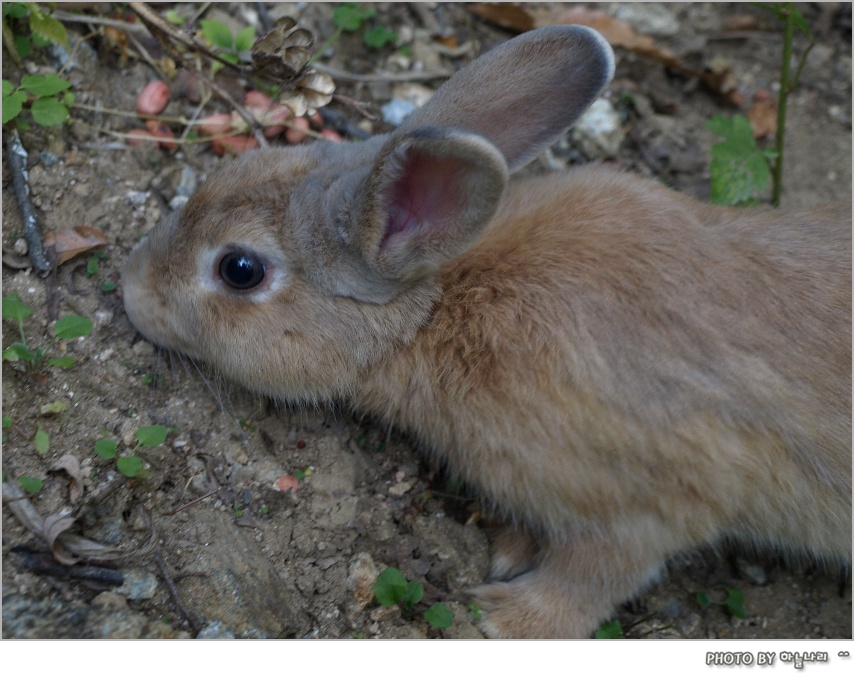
[241, 270]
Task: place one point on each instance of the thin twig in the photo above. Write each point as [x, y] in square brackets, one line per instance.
[68, 17]
[193, 502]
[335, 73]
[179, 603]
[17, 157]
[159, 27]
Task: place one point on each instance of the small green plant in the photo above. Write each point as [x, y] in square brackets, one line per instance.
[131, 466]
[7, 423]
[42, 441]
[740, 170]
[351, 17]
[733, 603]
[67, 327]
[47, 106]
[392, 588]
[439, 616]
[43, 29]
[610, 630]
[30, 484]
[229, 46]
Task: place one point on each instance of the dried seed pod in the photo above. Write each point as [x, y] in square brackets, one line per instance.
[282, 53]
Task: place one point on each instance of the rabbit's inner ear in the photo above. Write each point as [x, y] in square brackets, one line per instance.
[433, 192]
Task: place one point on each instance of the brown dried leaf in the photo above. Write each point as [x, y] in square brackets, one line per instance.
[73, 547]
[71, 466]
[75, 241]
[763, 117]
[54, 526]
[510, 16]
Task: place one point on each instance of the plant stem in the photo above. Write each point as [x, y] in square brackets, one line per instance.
[322, 48]
[788, 34]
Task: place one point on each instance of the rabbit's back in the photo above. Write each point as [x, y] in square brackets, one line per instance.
[610, 346]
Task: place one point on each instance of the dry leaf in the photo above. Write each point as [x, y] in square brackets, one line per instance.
[507, 15]
[72, 242]
[763, 117]
[71, 466]
[54, 526]
[74, 548]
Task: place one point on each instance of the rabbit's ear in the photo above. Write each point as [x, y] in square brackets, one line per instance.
[438, 179]
[525, 93]
[428, 197]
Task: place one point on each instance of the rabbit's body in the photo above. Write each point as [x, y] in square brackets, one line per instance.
[691, 395]
[623, 372]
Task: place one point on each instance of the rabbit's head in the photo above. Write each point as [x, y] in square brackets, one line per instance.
[292, 269]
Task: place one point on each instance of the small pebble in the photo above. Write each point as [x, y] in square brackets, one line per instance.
[216, 631]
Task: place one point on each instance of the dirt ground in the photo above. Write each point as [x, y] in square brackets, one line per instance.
[251, 561]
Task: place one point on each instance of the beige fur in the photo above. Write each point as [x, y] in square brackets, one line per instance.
[623, 372]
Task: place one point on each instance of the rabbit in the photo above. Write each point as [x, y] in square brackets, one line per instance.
[624, 373]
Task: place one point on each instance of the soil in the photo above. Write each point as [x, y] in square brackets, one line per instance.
[251, 561]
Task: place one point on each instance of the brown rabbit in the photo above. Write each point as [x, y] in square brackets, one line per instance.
[623, 372]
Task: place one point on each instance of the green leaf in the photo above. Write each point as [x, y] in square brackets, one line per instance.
[22, 352]
[390, 587]
[44, 85]
[62, 362]
[42, 441]
[106, 448]
[350, 15]
[130, 466]
[55, 407]
[47, 27]
[23, 45]
[92, 266]
[734, 603]
[48, 112]
[703, 599]
[70, 326]
[68, 98]
[174, 18]
[14, 308]
[414, 594]
[16, 10]
[217, 33]
[12, 105]
[8, 88]
[738, 168]
[30, 484]
[7, 422]
[379, 36]
[610, 630]
[244, 39]
[231, 58]
[476, 614]
[152, 435]
[108, 286]
[439, 616]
